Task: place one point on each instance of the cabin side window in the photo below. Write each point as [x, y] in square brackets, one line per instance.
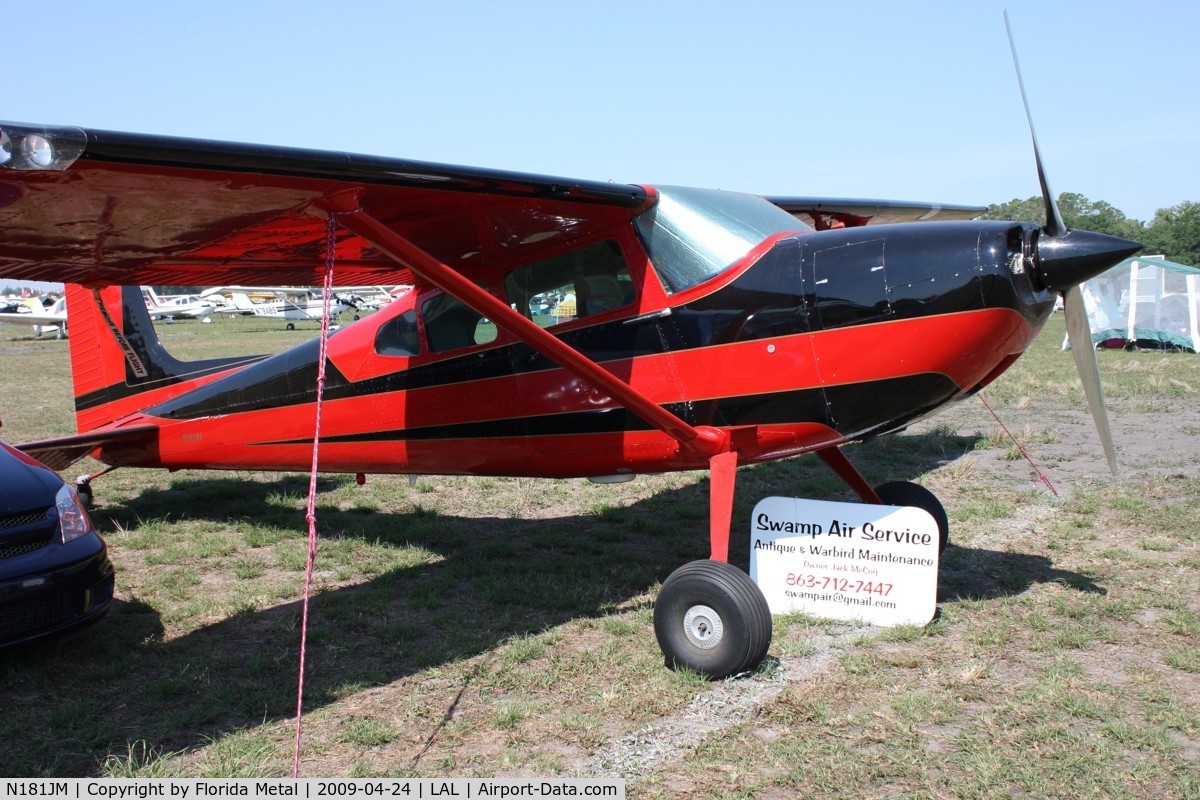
[398, 337]
[450, 325]
[581, 283]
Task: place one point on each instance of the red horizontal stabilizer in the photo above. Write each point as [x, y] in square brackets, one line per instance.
[60, 453]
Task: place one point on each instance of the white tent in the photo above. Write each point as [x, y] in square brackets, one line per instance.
[1145, 303]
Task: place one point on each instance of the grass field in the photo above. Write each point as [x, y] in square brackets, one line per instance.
[503, 627]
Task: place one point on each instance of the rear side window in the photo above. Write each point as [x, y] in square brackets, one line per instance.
[398, 337]
[449, 325]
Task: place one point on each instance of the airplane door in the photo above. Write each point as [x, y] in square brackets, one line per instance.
[592, 285]
[849, 288]
[564, 412]
[849, 284]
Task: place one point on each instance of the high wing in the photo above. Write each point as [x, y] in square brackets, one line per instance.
[823, 212]
[33, 319]
[36, 315]
[100, 208]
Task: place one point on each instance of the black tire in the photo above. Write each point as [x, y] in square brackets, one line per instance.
[290, 326]
[904, 493]
[710, 617]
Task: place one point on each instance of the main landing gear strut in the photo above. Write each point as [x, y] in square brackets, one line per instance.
[709, 616]
[83, 486]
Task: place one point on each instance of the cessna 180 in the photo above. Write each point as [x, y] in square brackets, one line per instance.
[557, 328]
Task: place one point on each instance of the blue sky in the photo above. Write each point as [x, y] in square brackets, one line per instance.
[882, 100]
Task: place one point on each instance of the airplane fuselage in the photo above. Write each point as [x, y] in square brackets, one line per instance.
[810, 340]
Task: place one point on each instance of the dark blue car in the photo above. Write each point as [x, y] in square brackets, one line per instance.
[55, 575]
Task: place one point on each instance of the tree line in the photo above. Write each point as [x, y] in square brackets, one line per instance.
[1174, 232]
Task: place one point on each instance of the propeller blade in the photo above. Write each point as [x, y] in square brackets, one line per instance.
[1084, 352]
[1054, 220]
[1064, 259]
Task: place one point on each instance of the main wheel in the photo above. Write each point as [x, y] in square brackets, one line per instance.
[904, 493]
[84, 490]
[712, 618]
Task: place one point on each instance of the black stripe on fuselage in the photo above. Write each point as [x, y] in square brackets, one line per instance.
[863, 409]
[768, 300]
[119, 391]
[158, 367]
[290, 378]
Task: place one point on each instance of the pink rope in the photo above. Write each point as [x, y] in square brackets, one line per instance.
[1041, 475]
[311, 512]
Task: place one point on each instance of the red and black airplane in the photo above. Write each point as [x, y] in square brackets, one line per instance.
[557, 328]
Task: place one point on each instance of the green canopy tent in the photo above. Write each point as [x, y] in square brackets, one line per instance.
[1145, 303]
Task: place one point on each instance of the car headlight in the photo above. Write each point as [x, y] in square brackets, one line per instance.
[73, 521]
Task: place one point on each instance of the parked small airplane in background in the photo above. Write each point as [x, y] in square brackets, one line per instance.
[43, 318]
[183, 307]
[276, 302]
[369, 298]
[709, 329]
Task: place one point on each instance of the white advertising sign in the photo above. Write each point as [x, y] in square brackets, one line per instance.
[847, 561]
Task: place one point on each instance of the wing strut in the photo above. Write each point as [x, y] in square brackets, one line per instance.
[703, 440]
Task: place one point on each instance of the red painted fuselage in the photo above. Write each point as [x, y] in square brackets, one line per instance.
[812, 339]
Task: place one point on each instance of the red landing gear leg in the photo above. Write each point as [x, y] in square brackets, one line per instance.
[722, 474]
[838, 462]
[83, 485]
[709, 616]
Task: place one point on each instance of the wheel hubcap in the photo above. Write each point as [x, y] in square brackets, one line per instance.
[703, 627]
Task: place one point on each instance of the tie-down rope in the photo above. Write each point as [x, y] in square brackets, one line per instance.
[311, 512]
[1041, 475]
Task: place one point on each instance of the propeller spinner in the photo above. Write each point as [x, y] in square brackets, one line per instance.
[1065, 258]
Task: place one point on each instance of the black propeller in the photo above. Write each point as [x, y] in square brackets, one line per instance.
[1063, 259]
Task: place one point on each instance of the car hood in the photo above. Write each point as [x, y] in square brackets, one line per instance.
[24, 484]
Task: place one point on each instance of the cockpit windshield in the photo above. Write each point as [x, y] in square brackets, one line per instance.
[693, 234]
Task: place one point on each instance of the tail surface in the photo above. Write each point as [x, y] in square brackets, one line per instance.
[151, 298]
[118, 363]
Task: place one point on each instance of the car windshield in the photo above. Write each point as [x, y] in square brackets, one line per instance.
[693, 234]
